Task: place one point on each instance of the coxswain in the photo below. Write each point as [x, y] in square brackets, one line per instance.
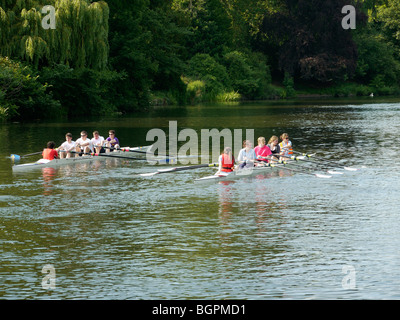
[50, 153]
[226, 161]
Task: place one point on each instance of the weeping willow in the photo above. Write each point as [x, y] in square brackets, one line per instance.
[79, 40]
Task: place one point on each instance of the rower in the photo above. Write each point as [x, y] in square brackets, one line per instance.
[262, 150]
[247, 155]
[67, 147]
[273, 144]
[226, 161]
[97, 142]
[286, 146]
[50, 153]
[112, 142]
[83, 145]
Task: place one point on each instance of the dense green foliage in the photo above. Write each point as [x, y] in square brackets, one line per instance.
[120, 56]
[22, 94]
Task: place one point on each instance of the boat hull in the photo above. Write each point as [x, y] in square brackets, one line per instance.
[42, 163]
[243, 173]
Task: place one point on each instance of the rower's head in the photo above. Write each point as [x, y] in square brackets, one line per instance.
[96, 134]
[285, 137]
[273, 140]
[228, 150]
[68, 136]
[111, 133]
[83, 135]
[261, 141]
[51, 145]
[247, 144]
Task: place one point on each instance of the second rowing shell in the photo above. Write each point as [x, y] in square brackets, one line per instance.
[239, 173]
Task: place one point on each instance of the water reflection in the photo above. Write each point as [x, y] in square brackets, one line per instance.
[48, 177]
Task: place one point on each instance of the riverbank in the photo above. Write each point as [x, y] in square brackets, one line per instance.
[196, 93]
[278, 91]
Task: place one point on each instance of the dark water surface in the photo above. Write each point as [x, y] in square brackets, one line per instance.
[111, 235]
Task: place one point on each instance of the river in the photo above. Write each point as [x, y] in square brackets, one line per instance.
[98, 231]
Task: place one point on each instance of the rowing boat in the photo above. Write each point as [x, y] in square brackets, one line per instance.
[44, 163]
[237, 174]
[289, 165]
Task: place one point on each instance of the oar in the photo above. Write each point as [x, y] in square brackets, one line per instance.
[282, 163]
[126, 150]
[149, 153]
[150, 174]
[333, 164]
[318, 175]
[107, 155]
[321, 165]
[16, 157]
[309, 169]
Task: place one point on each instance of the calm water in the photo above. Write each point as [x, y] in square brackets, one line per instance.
[111, 235]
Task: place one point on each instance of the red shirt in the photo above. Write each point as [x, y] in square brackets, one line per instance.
[50, 154]
[263, 152]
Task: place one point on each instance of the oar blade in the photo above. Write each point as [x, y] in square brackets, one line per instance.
[334, 172]
[350, 169]
[323, 176]
[149, 174]
[15, 157]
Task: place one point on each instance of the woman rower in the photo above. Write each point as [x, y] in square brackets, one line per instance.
[67, 147]
[50, 153]
[262, 150]
[273, 145]
[286, 146]
[247, 155]
[226, 161]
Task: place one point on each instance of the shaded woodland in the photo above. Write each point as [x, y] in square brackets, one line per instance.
[118, 56]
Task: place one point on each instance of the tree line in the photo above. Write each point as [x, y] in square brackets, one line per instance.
[118, 56]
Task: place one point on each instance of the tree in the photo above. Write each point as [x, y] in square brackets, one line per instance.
[79, 40]
[389, 16]
[21, 95]
[312, 43]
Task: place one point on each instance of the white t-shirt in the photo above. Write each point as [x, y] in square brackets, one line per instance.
[68, 146]
[97, 142]
[243, 155]
[80, 141]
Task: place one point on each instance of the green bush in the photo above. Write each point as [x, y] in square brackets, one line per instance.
[203, 65]
[229, 96]
[376, 58]
[196, 91]
[248, 73]
[22, 95]
[288, 82]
